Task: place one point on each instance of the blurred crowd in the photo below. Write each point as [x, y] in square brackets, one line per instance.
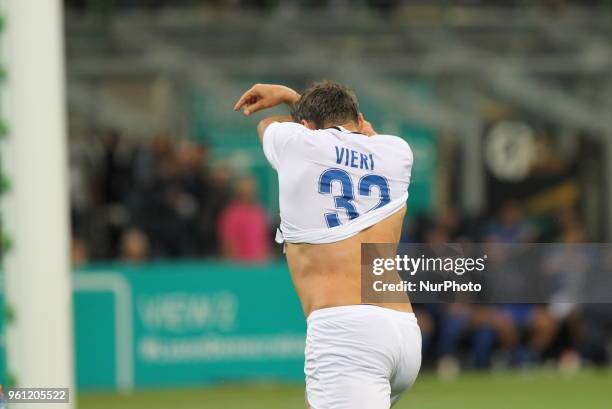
[164, 197]
[161, 198]
[468, 336]
[479, 336]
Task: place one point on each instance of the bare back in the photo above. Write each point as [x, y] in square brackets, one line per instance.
[329, 275]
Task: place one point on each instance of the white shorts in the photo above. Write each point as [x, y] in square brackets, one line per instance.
[360, 357]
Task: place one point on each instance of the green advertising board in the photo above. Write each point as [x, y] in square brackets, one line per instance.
[180, 324]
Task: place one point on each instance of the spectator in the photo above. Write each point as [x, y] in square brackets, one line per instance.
[134, 246]
[243, 225]
[186, 195]
[566, 267]
[511, 226]
[216, 200]
[79, 253]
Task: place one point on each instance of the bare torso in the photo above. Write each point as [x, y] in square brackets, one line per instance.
[329, 275]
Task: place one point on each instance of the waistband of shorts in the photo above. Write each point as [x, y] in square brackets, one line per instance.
[330, 312]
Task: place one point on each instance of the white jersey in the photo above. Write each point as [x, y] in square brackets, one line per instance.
[334, 183]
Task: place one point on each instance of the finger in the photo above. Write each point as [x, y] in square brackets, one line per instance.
[257, 106]
[368, 129]
[244, 98]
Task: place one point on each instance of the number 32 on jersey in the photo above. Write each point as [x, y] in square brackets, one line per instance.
[346, 199]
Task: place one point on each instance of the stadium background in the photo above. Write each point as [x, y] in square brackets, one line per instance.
[180, 296]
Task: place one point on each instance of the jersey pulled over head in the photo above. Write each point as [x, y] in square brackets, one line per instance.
[325, 104]
[333, 181]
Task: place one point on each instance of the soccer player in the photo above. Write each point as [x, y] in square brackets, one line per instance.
[340, 185]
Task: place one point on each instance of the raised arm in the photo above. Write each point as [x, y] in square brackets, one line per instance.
[263, 124]
[263, 96]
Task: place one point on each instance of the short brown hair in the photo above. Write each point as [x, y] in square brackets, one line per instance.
[326, 103]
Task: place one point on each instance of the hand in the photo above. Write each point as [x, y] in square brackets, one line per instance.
[366, 127]
[262, 96]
